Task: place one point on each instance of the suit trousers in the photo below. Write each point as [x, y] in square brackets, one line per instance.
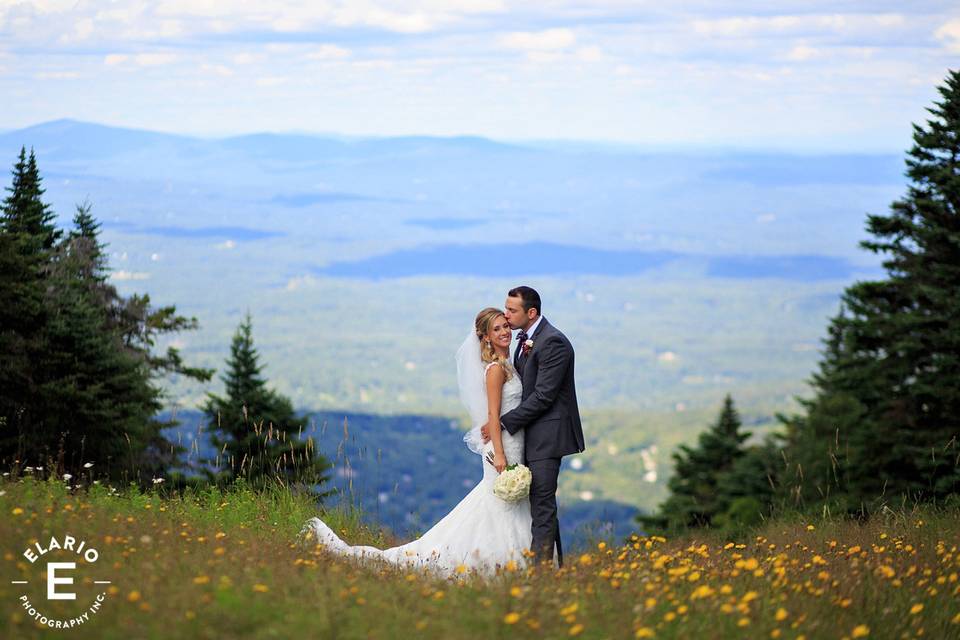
[543, 509]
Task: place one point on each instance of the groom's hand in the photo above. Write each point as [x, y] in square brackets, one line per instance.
[485, 434]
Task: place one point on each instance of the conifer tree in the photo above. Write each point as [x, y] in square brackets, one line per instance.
[255, 428]
[27, 235]
[21, 316]
[24, 212]
[78, 381]
[748, 487]
[885, 419]
[695, 498]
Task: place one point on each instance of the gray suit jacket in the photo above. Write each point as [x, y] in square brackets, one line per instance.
[548, 411]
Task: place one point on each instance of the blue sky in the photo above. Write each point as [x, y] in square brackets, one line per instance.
[789, 75]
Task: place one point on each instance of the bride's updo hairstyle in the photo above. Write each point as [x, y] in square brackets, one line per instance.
[483, 323]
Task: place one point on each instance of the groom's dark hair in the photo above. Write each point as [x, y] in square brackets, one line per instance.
[530, 297]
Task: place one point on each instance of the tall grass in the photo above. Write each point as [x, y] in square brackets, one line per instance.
[217, 563]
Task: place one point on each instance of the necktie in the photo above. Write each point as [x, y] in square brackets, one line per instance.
[521, 338]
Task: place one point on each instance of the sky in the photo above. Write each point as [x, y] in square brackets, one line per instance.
[810, 75]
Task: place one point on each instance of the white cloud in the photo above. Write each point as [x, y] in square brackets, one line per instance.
[601, 71]
[216, 70]
[57, 75]
[590, 54]
[226, 245]
[299, 282]
[739, 26]
[245, 58]
[129, 275]
[155, 59]
[802, 52]
[140, 59]
[82, 30]
[328, 52]
[549, 40]
[949, 33]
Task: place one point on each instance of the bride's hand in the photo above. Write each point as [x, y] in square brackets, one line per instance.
[499, 462]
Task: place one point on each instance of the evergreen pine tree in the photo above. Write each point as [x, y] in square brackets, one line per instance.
[27, 234]
[22, 314]
[24, 212]
[85, 245]
[748, 487]
[255, 428]
[695, 498]
[78, 377]
[888, 389]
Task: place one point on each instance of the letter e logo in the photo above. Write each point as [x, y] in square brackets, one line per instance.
[53, 581]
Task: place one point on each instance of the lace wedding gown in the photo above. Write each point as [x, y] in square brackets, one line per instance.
[480, 533]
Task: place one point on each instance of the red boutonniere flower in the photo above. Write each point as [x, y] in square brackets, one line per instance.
[527, 346]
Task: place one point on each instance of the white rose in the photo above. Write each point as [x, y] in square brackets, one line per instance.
[513, 485]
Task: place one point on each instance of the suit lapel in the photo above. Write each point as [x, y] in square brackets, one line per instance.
[523, 359]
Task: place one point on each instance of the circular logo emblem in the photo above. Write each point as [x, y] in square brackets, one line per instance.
[60, 583]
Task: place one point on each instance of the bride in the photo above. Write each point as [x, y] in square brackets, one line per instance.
[482, 531]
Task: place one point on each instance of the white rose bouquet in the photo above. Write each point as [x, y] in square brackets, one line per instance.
[513, 484]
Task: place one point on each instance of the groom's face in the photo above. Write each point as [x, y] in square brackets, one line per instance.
[516, 316]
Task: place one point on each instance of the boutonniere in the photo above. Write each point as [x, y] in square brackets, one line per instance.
[527, 346]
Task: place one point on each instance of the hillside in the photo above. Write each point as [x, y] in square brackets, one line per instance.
[211, 565]
[679, 276]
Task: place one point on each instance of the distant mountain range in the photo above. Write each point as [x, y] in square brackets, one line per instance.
[678, 276]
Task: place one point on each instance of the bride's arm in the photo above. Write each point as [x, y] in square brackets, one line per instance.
[495, 379]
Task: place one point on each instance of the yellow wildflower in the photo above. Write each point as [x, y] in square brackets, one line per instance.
[511, 618]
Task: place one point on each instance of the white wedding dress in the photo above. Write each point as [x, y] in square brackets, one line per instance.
[481, 533]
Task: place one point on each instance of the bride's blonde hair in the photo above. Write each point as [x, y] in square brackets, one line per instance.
[482, 324]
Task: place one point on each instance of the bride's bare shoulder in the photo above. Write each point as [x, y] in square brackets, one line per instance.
[495, 372]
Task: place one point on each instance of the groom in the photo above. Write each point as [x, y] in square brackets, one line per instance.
[548, 413]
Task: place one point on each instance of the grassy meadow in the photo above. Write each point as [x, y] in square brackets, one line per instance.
[218, 564]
